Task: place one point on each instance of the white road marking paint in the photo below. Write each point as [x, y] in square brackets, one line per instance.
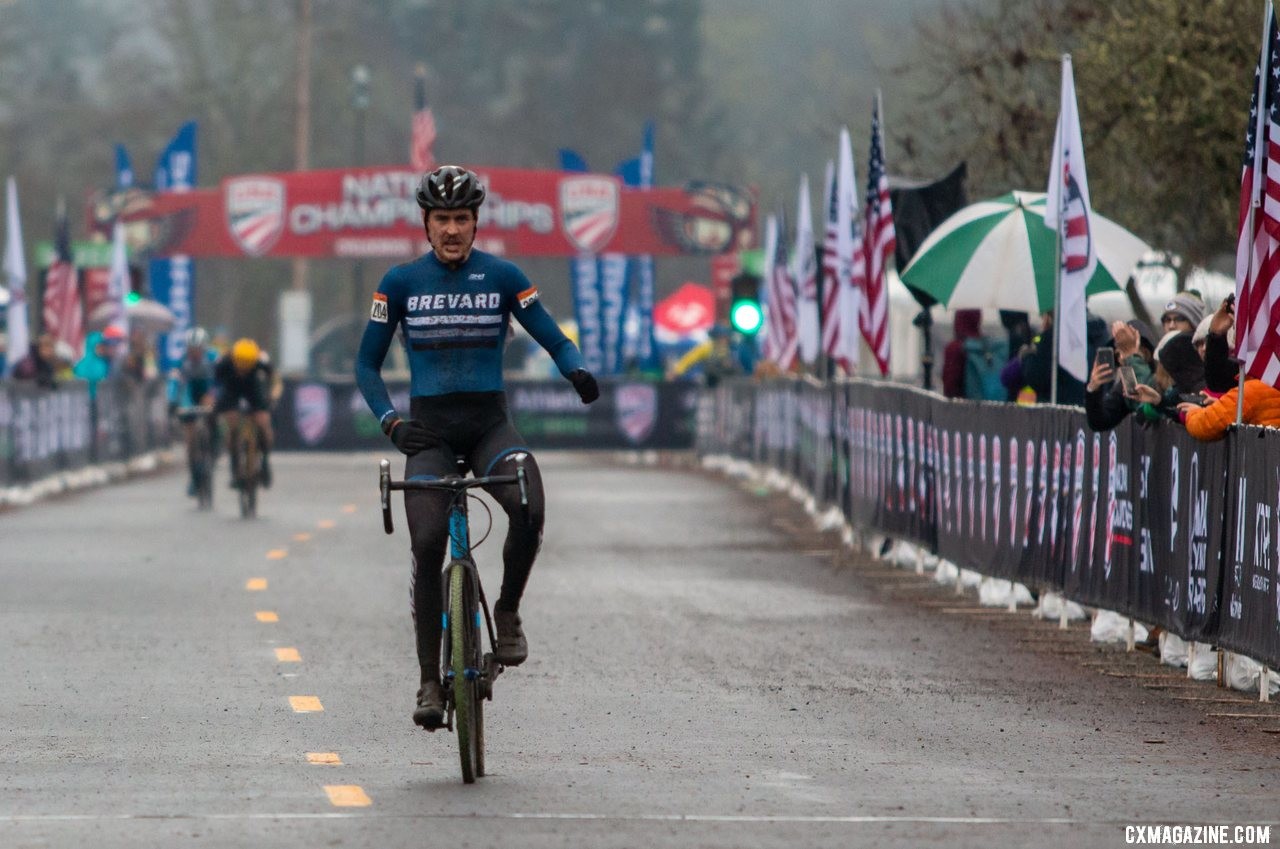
[730, 818]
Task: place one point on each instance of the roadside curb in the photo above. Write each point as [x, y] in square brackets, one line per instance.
[90, 477]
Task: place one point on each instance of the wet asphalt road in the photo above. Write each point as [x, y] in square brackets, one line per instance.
[696, 679]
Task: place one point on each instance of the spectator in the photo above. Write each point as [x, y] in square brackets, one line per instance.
[140, 360]
[99, 354]
[1261, 407]
[1179, 374]
[967, 325]
[1183, 312]
[1037, 363]
[1221, 372]
[1105, 404]
[40, 365]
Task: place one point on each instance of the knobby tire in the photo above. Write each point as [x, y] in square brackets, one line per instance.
[466, 707]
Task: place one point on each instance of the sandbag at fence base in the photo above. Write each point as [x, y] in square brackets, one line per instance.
[1202, 662]
[1111, 627]
[1050, 607]
[1245, 674]
[1173, 650]
[997, 592]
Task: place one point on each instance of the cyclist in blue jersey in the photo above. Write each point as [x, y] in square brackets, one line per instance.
[454, 306]
[191, 385]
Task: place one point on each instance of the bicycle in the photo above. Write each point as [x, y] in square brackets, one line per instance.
[247, 464]
[200, 452]
[467, 672]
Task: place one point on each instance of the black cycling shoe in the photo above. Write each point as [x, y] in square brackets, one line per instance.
[430, 710]
[266, 473]
[510, 648]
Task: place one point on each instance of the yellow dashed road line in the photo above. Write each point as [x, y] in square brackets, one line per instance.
[277, 554]
[325, 524]
[267, 616]
[301, 537]
[305, 704]
[347, 796]
[324, 758]
[348, 508]
[289, 655]
[255, 584]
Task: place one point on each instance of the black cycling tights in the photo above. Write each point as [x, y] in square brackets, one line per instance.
[428, 518]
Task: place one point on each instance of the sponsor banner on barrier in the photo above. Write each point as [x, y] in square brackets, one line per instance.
[548, 414]
[1143, 520]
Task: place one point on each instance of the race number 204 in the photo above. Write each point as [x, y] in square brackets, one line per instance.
[1198, 835]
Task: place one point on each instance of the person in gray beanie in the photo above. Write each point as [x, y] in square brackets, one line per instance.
[1183, 312]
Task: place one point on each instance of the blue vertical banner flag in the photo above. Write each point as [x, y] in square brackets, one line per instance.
[645, 281]
[173, 278]
[614, 274]
[124, 169]
[584, 275]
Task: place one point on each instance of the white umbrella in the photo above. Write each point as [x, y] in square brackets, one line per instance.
[144, 314]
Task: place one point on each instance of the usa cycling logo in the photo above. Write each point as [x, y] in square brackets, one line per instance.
[636, 406]
[255, 212]
[311, 412]
[589, 210]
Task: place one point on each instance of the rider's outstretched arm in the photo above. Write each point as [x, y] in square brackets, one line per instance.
[533, 317]
[384, 318]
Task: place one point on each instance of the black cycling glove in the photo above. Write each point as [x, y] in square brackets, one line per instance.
[588, 389]
[410, 436]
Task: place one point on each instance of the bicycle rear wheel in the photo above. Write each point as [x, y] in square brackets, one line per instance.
[249, 466]
[203, 467]
[465, 668]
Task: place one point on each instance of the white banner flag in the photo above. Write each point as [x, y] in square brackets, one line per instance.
[805, 273]
[1067, 210]
[15, 278]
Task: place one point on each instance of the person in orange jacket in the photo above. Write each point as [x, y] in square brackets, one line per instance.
[1261, 407]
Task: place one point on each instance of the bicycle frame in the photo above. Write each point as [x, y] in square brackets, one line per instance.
[463, 695]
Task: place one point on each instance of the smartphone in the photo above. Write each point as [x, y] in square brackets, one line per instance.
[1196, 399]
[1128, 380]
[1105, 356]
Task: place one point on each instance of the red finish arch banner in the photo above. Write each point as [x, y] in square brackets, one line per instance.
[371, 212]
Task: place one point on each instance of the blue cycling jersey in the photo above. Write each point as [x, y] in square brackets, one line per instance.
[455, 324]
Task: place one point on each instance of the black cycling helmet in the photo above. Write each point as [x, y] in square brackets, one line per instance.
[450, 187]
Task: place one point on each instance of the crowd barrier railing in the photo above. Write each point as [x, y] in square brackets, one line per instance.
[1143, 520]
[47, 431]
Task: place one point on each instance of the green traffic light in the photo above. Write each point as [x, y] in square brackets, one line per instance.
[746, 317]
[132, 298]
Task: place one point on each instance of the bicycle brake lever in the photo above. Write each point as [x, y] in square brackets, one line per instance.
[384, 492]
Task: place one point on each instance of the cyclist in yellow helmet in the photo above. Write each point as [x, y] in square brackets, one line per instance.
[245, 380]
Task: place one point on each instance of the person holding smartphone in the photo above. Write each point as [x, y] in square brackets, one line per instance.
[1105, 403]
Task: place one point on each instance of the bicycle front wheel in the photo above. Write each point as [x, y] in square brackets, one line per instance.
[465, 670]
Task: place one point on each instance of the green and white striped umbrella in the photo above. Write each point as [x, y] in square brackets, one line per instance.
[988, 254]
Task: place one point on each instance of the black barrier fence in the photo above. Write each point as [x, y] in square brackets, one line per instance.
[45, 431]
[1146, 521]
[332, 415]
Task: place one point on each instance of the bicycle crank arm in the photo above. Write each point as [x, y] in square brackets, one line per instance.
[384, 493]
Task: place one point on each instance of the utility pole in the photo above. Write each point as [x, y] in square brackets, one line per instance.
[302, 127]
[294, 312]
[360, 105]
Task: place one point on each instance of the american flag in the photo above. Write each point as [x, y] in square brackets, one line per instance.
[877, 248]
[422, 145]
[62, 310]
[780, 341]
[1258, 247]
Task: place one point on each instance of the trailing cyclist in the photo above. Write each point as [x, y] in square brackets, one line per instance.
[191, 385]
[245, 377]
[454, 305]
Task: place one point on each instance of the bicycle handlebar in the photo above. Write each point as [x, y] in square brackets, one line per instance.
[450, 484]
